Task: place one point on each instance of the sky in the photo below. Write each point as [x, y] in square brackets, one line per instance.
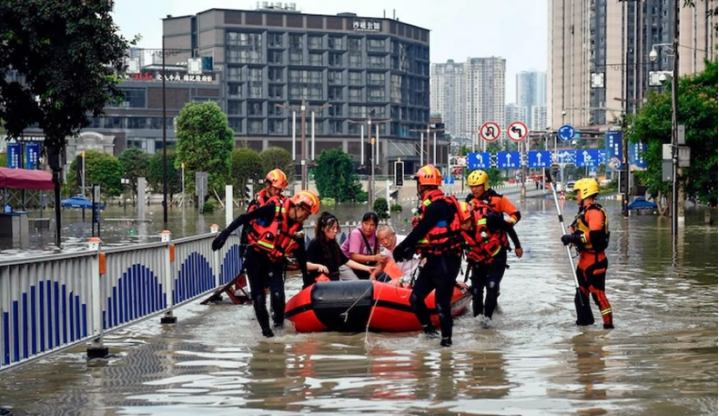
[512, 29]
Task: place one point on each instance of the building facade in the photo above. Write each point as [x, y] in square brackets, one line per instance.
[469, 94]
[273, 60]
[514, 112]
[531, 92]
[598, 54]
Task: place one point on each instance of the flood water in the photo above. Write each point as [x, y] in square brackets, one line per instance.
[660, 360]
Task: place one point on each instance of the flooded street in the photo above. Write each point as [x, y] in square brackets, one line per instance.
[660, 360]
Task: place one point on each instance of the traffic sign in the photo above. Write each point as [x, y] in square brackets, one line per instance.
[587, 157]
[462, 161]
[614, 150]
[517, 131]
[490, 131]
[479, 160]
[508, 160]
[566, 156]
[32, 153]
[539, 158]
[602, 156]
[13, 155]
[566, 133]
[449, 180]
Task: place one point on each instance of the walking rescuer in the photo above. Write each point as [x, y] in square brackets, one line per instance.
[275, 232]
[436, 236]
[590, 235]
[489, 272]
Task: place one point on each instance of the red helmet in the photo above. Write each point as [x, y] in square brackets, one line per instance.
[308, 200]
[428, 175]
[277, 178]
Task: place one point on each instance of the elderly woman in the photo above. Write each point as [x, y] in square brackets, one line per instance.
[362, 246]
[324, 255]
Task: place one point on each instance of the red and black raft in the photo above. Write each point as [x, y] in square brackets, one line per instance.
[349, 306]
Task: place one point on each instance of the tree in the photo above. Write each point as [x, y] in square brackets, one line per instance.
[174, 175]
[135, 164]
[246, 164]
[68, 53]
[697, 110]
[276, 157]
[100, 168]
[334, 176]
[204, 144]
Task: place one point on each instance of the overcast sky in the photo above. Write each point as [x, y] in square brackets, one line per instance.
[512, 29]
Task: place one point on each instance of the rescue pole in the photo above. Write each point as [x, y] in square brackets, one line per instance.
[564, 231]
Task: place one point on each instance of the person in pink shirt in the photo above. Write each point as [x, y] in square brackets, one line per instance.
[363, 247]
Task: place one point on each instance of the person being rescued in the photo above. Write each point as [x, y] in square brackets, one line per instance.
[362, 246]
[324, 256]
[275, 232]
[489, 274]
[590, 235]
[401, 273]
[436, 235]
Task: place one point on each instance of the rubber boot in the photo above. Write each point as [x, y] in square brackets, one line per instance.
[430, 332]
[446, 342]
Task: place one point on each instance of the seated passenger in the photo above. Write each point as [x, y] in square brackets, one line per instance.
[362, 246]
[399, 274]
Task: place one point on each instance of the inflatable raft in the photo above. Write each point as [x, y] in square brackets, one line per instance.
[348, 306]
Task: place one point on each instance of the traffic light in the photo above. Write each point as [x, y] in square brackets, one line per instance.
[398, 173]
[248, 192]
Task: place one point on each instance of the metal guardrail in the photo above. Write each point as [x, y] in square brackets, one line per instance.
[52, 302]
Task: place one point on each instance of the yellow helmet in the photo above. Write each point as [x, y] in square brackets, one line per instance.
[586, 187]
[478, 177]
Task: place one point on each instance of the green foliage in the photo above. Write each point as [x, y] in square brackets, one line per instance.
[278, 158]
[697, 110]
[334, 176]
[246, 164]
[135, 164]
[381, 208]
[3, 160]
[362, 197]
[396, 208]
[174, 175]
[68, 52]
[208, 208]
[204, 144]
[328, 201]
[100, 168]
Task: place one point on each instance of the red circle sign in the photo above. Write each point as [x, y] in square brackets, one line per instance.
[490, 131]
[517, 131]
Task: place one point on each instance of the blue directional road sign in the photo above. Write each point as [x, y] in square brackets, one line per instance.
[508, 160]
[539, 158]
[567, 156]
[637, 156]
[614, 150]
[32, 152]
[449, 180]
[587, 157]
[602, 156]
[13, 155]
[479, 160]
[566, 133]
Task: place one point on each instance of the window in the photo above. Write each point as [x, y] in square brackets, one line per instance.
[375, 94]
[234, 74]
[235, 124]
[295, 41]
[274, 58]
[374, 78]
[336, 127]
[316, 59]
[134, 98]
[314, 42]
[354, 44]
[375, 45]
[276, 127]
[295, 57]
[234, 90]
[274, 74]
[334, 77]
[255, 90]
[254, 127]
[335, 94]
[255, 74]
[276, 91]
[355, 61]
[377, 111]
[376, 62]
[244, 47]
[335, 60]
[309, 93]
[355, 78]
[274, 40]
[335, 110]
[254, 109]
[234, 108]
[276, 111]
[334, 42]
[396, 89]
[314, 77]
[355, 94]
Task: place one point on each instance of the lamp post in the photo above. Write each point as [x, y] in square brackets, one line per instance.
[373, 153]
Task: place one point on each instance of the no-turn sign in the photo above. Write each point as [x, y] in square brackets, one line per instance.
[490, 131]
[517, 131]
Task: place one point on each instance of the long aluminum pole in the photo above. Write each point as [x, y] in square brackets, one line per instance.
[303, 162]
[294, 136]
[313, 135]
[376, 129]
[362, 144]
[675, 125]
[164, 143]
[434, 150]
[421, 149]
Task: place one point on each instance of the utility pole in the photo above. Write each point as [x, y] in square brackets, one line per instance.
[302, 109]
[428, 130]
[373, 154]
[675, 125]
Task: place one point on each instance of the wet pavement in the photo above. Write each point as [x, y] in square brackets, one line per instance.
[660, 360]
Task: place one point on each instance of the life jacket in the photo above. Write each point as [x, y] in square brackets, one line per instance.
[445, 235]
[482, 244]
[580, 224]
[277, 238]
[488, 203]
[262, 198]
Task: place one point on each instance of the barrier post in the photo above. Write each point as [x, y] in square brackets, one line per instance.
[97, 348]
[216, 263]
[169, 317]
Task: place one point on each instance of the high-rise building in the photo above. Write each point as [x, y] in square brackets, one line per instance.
[354, 66]
[469, 94]
[531, 92]
[539, 118]
[514, 112]
[598, 54]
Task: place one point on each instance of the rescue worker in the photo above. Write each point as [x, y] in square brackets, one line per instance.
[482, 232]
[436, 236]
[275, 183]
[590, 235]
[275, 231]
[489, 274]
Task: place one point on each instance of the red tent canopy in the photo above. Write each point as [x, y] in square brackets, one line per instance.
[26, 179]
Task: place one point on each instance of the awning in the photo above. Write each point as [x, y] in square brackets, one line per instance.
[26, 179]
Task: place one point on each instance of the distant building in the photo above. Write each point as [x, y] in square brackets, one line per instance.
[514, 112]
[531, 91]
[539, 118]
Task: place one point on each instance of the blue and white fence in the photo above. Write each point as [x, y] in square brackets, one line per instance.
[51, 302]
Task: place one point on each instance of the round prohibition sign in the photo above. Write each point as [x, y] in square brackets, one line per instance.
[517, 131]
[490, 131]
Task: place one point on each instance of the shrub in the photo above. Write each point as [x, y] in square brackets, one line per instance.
[208, 208]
